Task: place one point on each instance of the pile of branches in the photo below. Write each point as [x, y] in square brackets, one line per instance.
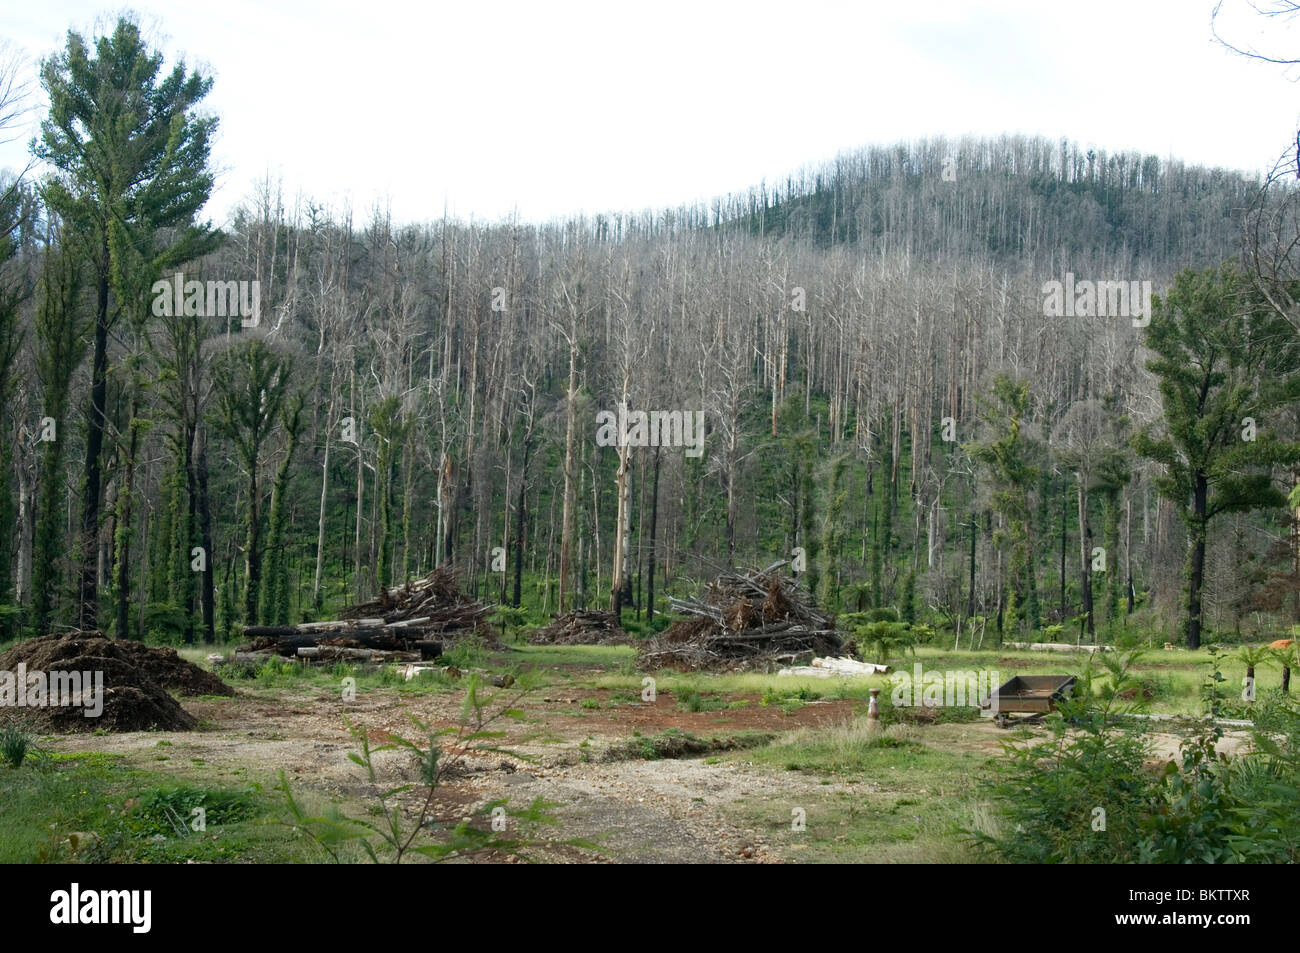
[581, 627]
[411, 623]
[757, 619]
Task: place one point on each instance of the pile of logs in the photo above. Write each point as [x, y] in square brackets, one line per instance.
[581, 627]
[411, 623]
[755, 619]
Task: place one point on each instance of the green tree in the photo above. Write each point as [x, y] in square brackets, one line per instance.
[1007, 454]
[130, 158]
[14, 290]
[275, 603]
[60, 346]
[1089, 442]
[1224, 363]
[833, 531]
[390, 429]
[1254, 656]
[249, 383]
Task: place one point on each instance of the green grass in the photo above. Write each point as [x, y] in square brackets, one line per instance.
[1176, 676]
[848, 748]
[681, 744]
[122, 814]
[587, 656]
[285, 676]
[880, 798]
[904, 794]
[745, 683]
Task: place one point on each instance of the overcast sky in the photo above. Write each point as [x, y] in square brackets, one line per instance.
[553, 108]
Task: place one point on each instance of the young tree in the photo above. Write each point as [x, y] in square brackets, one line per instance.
[275, 599]
[250, 381]
[1085, 443]
[1007, 453]
[390, 428]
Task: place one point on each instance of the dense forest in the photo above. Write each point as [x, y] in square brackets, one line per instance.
[885, 400]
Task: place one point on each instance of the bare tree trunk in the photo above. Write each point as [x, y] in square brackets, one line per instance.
[1196, 559]
[1085, 556]
[88, 594]
[566, 519]
[123, 618]
[1065, 509]
[320, 520]
[520, 518]
[654, 525]
[970, 607]
[252, 557]
[1128, 552]
[207, 584]
[22, 588]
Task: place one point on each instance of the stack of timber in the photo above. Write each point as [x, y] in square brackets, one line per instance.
[411, 623]
[744, 621]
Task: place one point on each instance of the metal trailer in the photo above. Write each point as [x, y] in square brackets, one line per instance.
[1031, 695]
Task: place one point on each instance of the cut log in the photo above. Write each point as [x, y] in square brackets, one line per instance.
[253, 631]
[329, 653]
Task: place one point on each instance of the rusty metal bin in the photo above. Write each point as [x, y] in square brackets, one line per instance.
[1034, 695]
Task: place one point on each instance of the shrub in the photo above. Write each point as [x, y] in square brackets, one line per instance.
[1085, 796]
[883, 614]
[164, 624]
[15, 741]
[1048, 796]
[883, 640]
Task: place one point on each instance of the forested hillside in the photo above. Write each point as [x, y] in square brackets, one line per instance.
[884, 399]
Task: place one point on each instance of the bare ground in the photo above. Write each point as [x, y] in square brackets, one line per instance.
[662, 811]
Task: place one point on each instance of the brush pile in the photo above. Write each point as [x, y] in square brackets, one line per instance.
[581, 627]
[408, 624]
[755, 620]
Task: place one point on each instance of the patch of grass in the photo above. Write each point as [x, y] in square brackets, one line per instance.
[779, 695]
[693, 700]
[571, 656]
[747, 683]
[913, 810]
[679, 744]
[850, 747]
[468, 653]
[95, 808]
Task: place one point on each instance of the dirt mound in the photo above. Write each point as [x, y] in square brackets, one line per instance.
[581, 627]
[744, 621]
[137, 679]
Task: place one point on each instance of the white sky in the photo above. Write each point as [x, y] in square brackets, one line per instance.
[553, 108]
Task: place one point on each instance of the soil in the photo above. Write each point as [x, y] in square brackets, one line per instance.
[625, 810]
[137, 681]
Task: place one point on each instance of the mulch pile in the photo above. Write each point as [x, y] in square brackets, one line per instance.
[410, 623]
[743, 621]
[581, 627]
[137, 680]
